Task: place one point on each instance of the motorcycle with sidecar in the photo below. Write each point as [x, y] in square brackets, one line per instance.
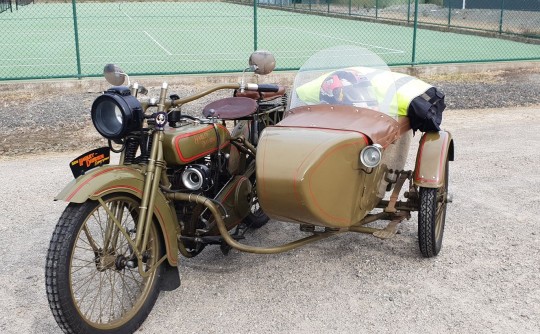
[185, 182]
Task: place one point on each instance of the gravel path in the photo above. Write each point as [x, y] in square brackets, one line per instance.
[485, 280]
[48, 118]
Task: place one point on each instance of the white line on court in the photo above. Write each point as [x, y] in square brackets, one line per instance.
[150, 36]
[161, 46]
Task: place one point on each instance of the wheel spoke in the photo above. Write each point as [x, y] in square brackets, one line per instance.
[98, 289]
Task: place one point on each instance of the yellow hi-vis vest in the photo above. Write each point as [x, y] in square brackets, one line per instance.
[404, 88]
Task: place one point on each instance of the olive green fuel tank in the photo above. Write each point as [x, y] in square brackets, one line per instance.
[190, 142]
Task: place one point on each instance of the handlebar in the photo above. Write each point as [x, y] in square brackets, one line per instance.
[268, 88]
[168, 103]
[184, 100]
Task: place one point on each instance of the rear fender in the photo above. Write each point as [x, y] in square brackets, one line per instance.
[113, 179]
[434, 149]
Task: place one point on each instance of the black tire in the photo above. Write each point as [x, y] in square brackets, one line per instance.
[91, 290]
[431, 217]
[256, 218]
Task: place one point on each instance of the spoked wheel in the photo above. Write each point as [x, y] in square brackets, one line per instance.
[431, 217]
[93, 278]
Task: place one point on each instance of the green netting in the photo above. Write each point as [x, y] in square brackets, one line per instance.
[5, 5]
[56, 39]
[23, 2]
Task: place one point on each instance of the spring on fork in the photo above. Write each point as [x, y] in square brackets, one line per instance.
[132, 145]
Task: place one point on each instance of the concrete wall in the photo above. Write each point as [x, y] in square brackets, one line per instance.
[529, 5]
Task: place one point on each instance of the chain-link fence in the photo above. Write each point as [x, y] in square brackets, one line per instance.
[63, 39]
[5, 5]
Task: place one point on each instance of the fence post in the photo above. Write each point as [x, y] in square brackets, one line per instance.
[255, 42]
[328, 5]
[414, 32]
[501, 18]
[376, 9]
[76, 32]
[409, 12]
[449, 12]
[350, 4]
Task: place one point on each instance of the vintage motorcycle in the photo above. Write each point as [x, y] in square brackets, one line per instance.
[185, 182]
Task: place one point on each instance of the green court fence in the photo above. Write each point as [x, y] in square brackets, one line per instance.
[75, 39]
[5, 5]
[23, 3]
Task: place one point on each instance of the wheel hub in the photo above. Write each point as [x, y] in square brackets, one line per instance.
[106, 262]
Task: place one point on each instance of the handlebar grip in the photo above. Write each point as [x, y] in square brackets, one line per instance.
[268, 88]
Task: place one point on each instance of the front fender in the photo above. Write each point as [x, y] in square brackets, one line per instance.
[434, 149]
[110, 179]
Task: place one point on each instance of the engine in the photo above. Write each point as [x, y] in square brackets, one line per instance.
[196, 177]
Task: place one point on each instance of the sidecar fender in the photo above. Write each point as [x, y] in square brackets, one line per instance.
[110, 179]
[434, 149]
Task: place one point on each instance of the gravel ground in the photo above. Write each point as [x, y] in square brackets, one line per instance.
[485, 280]
[53, 118]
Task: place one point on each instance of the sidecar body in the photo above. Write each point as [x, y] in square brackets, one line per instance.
[309, 168]
[338, 157]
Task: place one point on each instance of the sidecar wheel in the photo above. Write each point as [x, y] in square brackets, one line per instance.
[94, 285]
[431, 218]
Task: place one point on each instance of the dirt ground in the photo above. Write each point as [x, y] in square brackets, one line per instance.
[485, 280]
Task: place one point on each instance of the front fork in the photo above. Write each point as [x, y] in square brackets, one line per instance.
[153, 176]
[151, 185]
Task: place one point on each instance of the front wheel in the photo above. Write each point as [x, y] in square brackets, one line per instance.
[431, 217]
[93, 280]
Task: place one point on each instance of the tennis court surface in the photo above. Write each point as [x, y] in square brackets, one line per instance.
[41, 40]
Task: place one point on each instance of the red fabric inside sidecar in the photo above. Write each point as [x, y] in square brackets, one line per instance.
[378, 127]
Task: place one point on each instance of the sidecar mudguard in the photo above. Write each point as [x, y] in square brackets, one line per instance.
[434, 149]
[105, 180]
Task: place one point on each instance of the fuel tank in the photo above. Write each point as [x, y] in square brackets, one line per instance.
[188, 143]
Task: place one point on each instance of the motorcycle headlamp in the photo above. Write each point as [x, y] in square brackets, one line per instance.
[371, 156]
[116, 113]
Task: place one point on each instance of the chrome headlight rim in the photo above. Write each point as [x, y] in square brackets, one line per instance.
[371, 155]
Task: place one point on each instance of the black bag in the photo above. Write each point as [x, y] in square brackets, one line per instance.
[425, 111]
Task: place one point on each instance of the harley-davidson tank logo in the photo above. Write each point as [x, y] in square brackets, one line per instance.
[205, 139]
[90, 160]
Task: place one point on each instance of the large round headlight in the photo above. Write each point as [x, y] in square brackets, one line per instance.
[371, 155]
[116, 113]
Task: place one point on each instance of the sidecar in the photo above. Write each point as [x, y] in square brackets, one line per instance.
[341, 166]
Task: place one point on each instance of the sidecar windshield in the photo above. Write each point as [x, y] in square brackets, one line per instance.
[345, 75]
